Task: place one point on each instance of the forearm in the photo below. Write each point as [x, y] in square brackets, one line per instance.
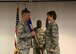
[24, 35]
[54, 43]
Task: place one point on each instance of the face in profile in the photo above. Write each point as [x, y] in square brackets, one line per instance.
[49, 18]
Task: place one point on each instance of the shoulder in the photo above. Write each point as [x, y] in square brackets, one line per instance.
[55, 27]
[20, 25]
[40, 30]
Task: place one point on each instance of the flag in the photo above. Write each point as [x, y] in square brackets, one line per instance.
[17, 21]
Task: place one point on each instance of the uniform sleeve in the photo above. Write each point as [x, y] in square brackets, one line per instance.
[22, 33]
[43, 38]
[55, 37]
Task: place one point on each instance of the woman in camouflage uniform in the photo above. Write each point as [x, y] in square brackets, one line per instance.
[51, 33]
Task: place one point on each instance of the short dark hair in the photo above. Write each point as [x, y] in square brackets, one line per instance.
[25, 11]
[52, 13]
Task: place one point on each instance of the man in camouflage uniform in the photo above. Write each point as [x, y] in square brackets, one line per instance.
[39, 40]
[24, 36]
[51, 33]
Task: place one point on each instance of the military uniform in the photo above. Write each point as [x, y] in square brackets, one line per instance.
[52, 38]
[39, 40]
[23, 38]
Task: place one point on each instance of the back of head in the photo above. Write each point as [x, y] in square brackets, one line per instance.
[39, 23]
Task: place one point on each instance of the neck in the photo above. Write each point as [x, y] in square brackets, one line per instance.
[51, 21]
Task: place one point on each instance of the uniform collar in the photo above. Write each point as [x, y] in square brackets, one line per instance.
[51, 22]
[23, 22]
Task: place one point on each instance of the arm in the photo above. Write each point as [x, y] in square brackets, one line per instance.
[42, 38]
[55, 37]
[43, 42]
[22, 32]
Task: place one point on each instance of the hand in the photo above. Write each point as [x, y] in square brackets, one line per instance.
[51, 50]
[33, 33]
